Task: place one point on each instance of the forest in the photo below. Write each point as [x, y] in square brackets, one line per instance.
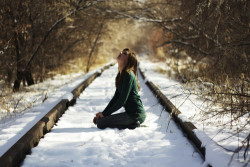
[206, 43]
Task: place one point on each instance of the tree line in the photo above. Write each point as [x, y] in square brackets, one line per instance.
[39, 36]
[216, 36]
[213, 37]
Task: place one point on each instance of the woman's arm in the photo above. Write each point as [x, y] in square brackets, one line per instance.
[122, 98]
[112, 101]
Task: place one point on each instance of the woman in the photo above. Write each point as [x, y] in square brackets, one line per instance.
[126, 95]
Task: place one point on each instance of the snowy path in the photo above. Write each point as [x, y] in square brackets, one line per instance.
[211, 130]
[75, 140]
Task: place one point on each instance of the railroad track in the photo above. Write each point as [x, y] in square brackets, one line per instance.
[75, 140]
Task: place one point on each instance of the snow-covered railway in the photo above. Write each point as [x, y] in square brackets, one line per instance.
[75, 140]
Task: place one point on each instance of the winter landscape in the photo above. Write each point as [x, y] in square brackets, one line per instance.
[196, 53]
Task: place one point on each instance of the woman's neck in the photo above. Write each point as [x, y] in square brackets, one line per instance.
[120, 67]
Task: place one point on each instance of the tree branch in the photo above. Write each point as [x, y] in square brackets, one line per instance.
[53, 27]
[184, 43]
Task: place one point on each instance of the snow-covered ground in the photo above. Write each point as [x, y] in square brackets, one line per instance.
[14, 105]
[192, 108]
[15, 125]
[75, 140]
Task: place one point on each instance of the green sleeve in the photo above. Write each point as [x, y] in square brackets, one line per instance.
[112, 101]
[121, 100]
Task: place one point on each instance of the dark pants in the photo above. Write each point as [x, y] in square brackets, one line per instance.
[120, 121]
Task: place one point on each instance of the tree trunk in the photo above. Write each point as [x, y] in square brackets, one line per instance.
[18, 76]
[93, 47]
[21, 75]
[28, 77]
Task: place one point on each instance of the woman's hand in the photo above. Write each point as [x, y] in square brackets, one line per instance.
[97, 117]
[99, 114]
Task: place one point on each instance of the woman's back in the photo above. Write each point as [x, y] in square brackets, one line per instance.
[133, 104]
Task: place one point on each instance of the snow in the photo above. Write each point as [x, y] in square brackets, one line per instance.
[76, 141]
[33, 95]
[183, 118]
[214, 151]
[68, 96]
[216, 138]
[13, 128]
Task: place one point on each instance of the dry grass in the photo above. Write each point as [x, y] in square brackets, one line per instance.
[76, 65]
[15, 103]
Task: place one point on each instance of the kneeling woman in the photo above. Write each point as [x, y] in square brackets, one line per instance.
[126, 95]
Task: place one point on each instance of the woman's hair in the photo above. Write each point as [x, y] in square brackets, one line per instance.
[131, 65]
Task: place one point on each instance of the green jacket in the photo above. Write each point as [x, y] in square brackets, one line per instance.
[126, 95]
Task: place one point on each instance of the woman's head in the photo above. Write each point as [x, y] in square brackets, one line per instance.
[128, 60]
[122, 58]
